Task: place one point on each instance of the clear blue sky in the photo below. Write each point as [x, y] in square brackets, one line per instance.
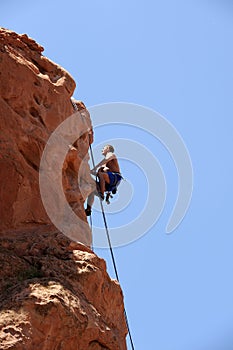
[176, 58]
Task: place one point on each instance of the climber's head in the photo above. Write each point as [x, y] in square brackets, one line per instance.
[107, 148]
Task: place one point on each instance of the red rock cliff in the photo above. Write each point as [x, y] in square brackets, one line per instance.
[55, 292]
[34, 99]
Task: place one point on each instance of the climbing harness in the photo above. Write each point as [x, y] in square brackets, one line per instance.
[110, 189]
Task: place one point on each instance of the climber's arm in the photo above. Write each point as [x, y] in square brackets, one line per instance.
[103, 163]
[93, 171]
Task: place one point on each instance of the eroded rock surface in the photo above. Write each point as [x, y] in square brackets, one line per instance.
[56, 294]
[35, 98]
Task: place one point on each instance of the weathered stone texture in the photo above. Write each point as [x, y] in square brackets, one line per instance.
[56, 294]
[35, 98]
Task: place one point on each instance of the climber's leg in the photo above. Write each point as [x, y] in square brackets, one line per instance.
[90, 201]
[103, 178]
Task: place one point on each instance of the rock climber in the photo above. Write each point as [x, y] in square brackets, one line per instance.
[108, 174]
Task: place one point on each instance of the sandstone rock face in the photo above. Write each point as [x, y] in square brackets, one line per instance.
[34, 100]
[56, 294]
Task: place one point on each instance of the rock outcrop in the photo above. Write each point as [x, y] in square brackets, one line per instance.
[55, 292]
[35, 98]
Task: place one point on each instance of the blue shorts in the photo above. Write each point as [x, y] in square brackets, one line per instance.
[115, 179]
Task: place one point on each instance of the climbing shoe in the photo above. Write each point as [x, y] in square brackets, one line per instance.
[88, 210]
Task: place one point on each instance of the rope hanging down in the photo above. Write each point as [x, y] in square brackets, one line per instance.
[108, 237]
[111, 251]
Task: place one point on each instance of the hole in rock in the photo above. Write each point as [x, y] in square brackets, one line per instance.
[37, 99]
[34, 112]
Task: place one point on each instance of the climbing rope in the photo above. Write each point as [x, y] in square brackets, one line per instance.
[108, 237]
[111, 251]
